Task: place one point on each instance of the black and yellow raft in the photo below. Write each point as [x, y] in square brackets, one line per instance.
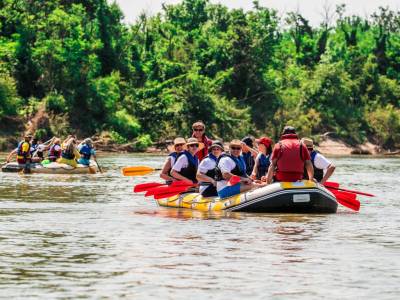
[280, 197]
[51, 168]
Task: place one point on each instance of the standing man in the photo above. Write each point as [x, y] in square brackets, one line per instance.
[289, 158]
[199, 133]
[23, 150]
[319, 162]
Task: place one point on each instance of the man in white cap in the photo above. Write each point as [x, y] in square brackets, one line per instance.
[320, 163]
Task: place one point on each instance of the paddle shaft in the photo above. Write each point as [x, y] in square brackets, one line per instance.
[350, 191]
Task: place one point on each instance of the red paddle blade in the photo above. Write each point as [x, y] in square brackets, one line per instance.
[169, 192]
[182, 183]
[234, 180]
[145, 186]
[331, 184]
[154, 190]
[352, 204]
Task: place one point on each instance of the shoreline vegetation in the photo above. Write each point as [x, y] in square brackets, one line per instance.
[74, 67]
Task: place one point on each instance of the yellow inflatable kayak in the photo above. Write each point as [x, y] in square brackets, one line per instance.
[52, 168]
[280, 197]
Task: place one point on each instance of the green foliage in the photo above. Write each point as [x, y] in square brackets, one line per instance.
[143, 142]
[239, 71]
[8, 96]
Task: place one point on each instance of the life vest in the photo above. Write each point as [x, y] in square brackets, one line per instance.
[53, 153]
[318, 173]
[203, 152]
[86, 151]
[263, 165]
[33, 148]
[239, 170]
[249, 160]
[191, 170]
[290, 159]
[67, 154]
[210, 173]
[20, 153]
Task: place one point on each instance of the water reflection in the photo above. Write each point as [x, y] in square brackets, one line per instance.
[90, 237]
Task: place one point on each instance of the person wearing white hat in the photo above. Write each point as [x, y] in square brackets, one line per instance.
[206, 171]
[320, 163]
[187, 163]
[179, 146]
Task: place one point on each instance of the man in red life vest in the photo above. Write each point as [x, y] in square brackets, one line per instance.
[289, 158]
[199, 133]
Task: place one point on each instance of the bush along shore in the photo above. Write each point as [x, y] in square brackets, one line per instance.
[76, 67]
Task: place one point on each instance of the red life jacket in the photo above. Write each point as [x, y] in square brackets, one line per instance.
[203, 152]
[290, 160]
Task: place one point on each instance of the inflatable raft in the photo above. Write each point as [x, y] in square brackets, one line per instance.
[280, 197]
[51, 168]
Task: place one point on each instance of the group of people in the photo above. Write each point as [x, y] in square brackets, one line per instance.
[32, 150]
[201, 160]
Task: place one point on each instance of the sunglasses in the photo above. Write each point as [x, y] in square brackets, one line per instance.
[236, 148]
[179, 145]
[194, 145]
[196, 129]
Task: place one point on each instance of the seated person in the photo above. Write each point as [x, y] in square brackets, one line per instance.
[231, 164]
[86, 150]
[186, 166]
[179, 144]
[69, 154]
[206, 171]
[55, 150]
[319, 162]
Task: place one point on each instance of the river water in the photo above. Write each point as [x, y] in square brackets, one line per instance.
[91, 237]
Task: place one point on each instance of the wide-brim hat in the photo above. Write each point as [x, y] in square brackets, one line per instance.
[216, 144]
[235, 143]
[308, 142]
[248, 141]
[194, 141]
[266, 141]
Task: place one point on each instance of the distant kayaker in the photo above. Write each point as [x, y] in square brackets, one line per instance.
[206, 171]
[230, 164]
[199, 133]
[289, 158]
[86, 151]
[69, 154]
[55, 150]
[23, 150]
[320, 163]
[263, 159]
[179, 146]
[249, 154]
[187, 163]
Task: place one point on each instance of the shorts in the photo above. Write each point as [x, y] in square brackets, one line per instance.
[84, 161]
[229, 191]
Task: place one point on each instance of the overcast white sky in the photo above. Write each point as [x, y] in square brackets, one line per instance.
[311, 9]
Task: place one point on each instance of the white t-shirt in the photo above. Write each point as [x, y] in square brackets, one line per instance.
[171, 160]
[226, 165]
[181, 163]
[57, 148]
[321, 162]
[206, 165]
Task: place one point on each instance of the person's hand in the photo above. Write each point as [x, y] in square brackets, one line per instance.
[264, 178]
[247, 181]
[214, 183]
[253, 176]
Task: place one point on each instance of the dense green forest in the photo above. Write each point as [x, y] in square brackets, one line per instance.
[240, 72]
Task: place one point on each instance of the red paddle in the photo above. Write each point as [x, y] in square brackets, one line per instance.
[146, 186]
[169, 192]
[347, 199]
[335, 185]
[182, 183]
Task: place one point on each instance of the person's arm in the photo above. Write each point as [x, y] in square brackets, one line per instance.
[253, 152]
[310, 169]
[165, 169]
[271, 171]
[179, 165]
[254, 173]
[11, 155]
[178, 176]
[203, 177]
[329, 172]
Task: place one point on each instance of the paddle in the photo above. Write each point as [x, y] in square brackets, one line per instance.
[346, 199]
[143, 187]
[165, 192]
[98, 166]
[137, 170]
[335, 185]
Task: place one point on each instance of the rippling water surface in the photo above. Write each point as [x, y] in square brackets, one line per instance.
[90, 237]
